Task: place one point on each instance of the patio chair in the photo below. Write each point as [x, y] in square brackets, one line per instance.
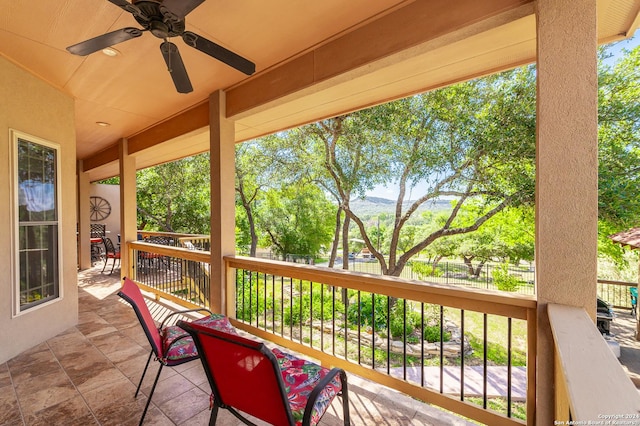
[634, 300]
[170, 344]
[273, 386]
[110, 252]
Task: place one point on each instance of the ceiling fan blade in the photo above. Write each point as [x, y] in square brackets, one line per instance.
[105, 40]
[219, 52]
[176, 67]
[178, 9]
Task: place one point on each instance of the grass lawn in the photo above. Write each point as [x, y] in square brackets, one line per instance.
[497, 337]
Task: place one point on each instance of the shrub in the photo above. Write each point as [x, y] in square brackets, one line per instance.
[424, 270]
[366, 306]
[248, 306]
[503, 280]
[432, 334]
[322, 307]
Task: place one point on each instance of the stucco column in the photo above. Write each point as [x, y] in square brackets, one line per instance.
[128, 206]
[567, 173]
[222, 149]
[83, 218]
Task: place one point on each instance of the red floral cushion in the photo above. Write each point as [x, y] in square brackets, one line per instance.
[300, 376]
[178, 345]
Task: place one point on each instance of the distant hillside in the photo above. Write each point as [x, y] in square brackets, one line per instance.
[377, 205]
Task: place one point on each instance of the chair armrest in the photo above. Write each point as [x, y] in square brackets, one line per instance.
[183, 312]
[308, 409]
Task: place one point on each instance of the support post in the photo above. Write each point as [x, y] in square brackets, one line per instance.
[128, 207]
[83, 218]
[222, 150]
[566, 174]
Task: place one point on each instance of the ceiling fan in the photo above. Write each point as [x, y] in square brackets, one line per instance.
[165, 19]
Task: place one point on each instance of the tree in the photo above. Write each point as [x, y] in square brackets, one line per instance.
[341, 154]
[297, 220]
[619, 148]
[175, 197]
[473, 142]
[508, 236]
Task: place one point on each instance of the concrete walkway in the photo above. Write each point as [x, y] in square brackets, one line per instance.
[497, 380]
[623, 328]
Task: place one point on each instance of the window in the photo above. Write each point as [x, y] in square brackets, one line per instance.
[36, 217]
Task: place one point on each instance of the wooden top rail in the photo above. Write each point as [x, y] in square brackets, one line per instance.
[620, 283]
[170, 234]
[179, 252]
[480, 300]
[597, 388]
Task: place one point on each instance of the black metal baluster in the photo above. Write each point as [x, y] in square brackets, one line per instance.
[441, 349]
[373, 331]
[300, 297]
[322, 317]
[388, 335]
[462, 355]
[422, 344]
[404, 339]
[311, 314]
[484, 362]
[346, 328]
[282, 305]
[509, 367]
[333, 320]
[359, 328]
[273, 303]
[291, 308]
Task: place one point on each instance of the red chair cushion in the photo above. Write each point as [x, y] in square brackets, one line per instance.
[300, 376]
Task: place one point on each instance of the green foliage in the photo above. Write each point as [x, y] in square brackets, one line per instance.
[366, 309]
[175, 197]
[432, 334]
[250, 300]
[425, 270]
[323, 306]
[298, 220]
[503, 280]
[398, 325]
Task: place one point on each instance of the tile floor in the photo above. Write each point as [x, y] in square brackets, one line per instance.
[88, 375]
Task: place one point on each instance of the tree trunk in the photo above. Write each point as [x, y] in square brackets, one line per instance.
[336, 238]
[469, 264]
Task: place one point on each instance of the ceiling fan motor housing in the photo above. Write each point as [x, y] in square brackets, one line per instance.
[159, 21]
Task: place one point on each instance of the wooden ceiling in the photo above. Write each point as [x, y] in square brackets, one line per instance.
[313, 60]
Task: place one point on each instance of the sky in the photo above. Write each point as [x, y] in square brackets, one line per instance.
[391, 192]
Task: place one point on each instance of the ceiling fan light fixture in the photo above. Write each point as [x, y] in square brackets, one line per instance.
[111, 52]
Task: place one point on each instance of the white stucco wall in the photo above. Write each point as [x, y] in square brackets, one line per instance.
[33, 107]
[111, 193]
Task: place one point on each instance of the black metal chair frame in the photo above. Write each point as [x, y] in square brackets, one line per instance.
[150, 336]
[110, 252]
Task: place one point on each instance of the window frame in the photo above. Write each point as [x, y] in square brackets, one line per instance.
[15, 137]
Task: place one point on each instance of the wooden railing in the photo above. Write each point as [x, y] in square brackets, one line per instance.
[174, 273]
[319, 312]
[590, 385]
[265, 290]
[616, 293]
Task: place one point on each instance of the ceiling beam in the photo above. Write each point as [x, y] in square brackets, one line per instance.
[410, 26]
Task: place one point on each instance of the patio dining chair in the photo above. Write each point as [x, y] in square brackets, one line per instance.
[170, 344]
[634, 300]
[246, 377]
[110, 252]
